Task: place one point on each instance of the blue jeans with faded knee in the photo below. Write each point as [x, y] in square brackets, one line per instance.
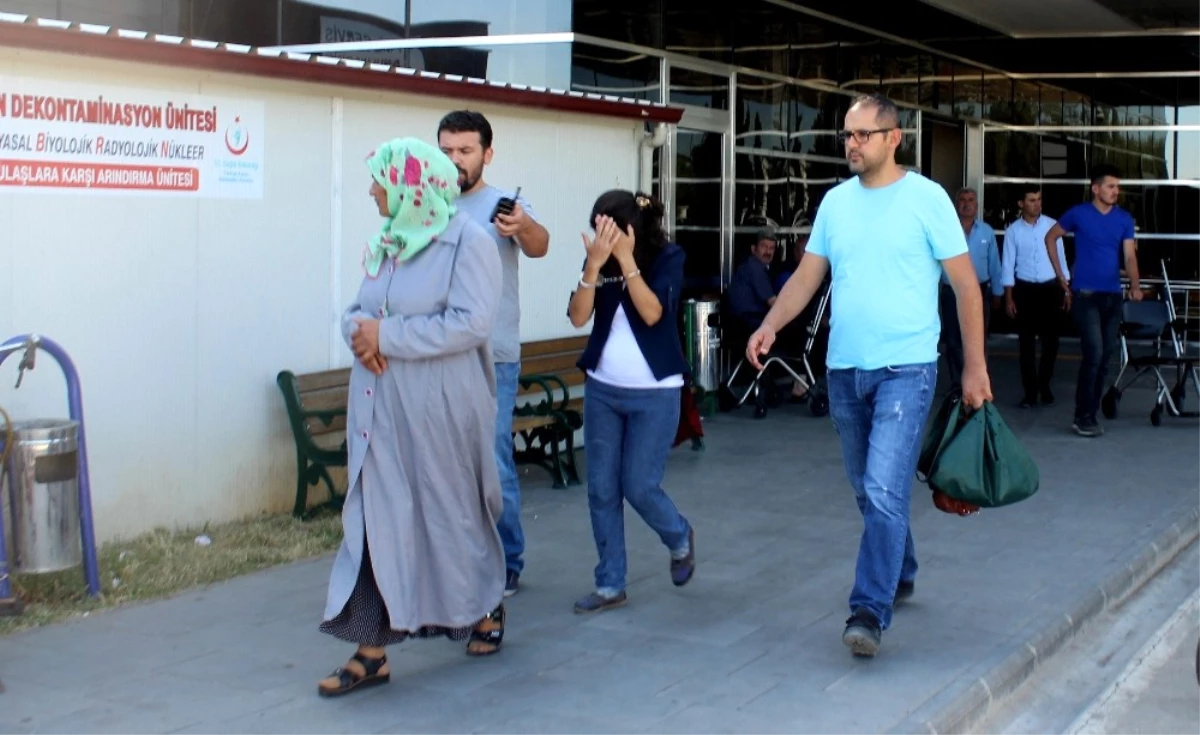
[880, 418]
[509, 525]
[628, 435]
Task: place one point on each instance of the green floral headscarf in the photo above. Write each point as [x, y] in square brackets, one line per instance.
[421, 184]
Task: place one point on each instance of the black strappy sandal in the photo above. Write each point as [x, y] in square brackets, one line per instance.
[348, 681]
[491, 638]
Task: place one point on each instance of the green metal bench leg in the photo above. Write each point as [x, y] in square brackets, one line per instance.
[572, 469]
[312, 476]
[336, 499]
[301, 505]
[560, 475]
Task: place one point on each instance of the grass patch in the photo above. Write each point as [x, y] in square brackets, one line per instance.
[162, 563]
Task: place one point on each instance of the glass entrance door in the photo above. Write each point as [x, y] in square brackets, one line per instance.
[697, 220]
[697, 183]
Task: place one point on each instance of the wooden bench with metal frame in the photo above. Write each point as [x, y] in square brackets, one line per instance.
[547, 426]
[317, 404]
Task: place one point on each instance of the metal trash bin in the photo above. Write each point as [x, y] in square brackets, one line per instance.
[704, 343]
[44, 485]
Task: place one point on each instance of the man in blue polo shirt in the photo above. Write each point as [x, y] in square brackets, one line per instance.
[985, 257]
[1103, 236]
[886, 234]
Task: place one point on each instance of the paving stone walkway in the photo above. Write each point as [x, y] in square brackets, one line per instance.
[751, 645]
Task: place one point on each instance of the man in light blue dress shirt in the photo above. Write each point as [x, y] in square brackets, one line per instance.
[1032, 296]
[985, 256]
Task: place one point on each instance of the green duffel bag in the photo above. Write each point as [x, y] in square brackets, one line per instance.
[973, 457]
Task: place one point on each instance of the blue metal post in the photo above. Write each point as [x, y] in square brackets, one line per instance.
[5, 583]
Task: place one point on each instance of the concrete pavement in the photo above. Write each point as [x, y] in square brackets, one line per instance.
[1159, 691]
[751, 645]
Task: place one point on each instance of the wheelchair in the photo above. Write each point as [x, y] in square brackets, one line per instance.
[736, 335]
[1153, 326]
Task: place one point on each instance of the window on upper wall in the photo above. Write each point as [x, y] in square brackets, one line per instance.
[938, 91]
[154, 16]
[787, 156]
[698, 88]
[968, 91]
[639, 22]
[760, 39]
[1026, 103]
[600, 70]
[691, 32]
[900, 68]
[813, 51]
[997, 98]
[545, 65]
[254, 22]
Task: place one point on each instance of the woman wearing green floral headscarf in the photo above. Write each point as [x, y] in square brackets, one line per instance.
[420, 556]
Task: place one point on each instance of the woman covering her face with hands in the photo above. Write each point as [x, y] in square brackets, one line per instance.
[635, 367]
[421, 555]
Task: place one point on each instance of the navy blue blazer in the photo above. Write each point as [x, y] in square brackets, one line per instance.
[659, 343]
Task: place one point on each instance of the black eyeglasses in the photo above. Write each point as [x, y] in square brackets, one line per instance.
[860, 136]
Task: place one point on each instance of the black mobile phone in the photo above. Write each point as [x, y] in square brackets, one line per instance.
[506, 205]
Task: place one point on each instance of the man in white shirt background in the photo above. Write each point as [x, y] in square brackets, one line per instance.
[1032, 296]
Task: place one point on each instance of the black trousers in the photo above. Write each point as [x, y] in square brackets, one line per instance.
[1038, 308]
[951, 331]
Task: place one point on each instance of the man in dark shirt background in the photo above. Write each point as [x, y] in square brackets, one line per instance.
[751, 295]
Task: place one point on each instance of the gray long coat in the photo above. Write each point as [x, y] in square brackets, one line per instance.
[424, 487]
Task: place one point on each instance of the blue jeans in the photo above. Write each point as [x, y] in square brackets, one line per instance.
[1097, 316]
[628, 435]
[509, 525]
[880, 418]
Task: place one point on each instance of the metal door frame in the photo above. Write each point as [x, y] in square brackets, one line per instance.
[702, 119]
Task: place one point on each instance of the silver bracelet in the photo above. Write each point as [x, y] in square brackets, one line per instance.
[585, 284]
[636, 272]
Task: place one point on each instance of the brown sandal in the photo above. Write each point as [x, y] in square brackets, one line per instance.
[488, 634]
[348, 681]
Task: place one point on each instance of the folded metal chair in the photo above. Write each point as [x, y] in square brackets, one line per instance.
[1154, 327]
[798, 367]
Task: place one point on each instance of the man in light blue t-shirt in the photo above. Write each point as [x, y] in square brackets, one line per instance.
[887, 235]
[466, 137]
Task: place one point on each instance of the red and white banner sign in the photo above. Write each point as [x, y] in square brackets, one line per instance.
[72, 137]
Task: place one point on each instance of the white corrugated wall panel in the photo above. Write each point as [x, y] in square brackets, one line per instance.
[179, 312]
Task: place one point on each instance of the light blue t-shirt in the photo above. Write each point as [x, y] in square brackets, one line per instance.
[885, 248]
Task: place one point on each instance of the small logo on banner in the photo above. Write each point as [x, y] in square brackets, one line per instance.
[237, 140]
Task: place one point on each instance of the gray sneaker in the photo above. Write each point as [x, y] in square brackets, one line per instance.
[595, 602]
[1087, 426]
[863, 633]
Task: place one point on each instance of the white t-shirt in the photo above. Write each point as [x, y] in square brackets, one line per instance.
[622, 363]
